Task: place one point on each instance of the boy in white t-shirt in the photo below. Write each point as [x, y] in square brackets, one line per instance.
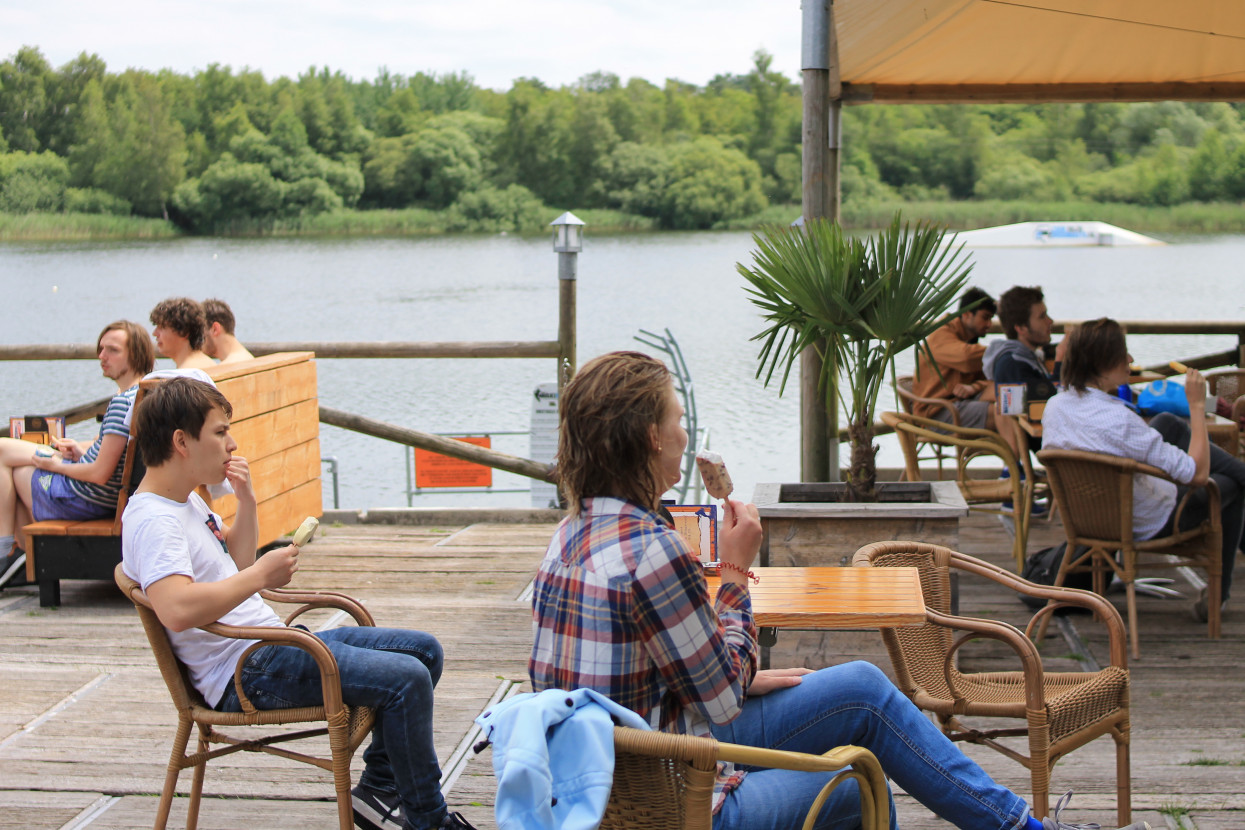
[197, 570]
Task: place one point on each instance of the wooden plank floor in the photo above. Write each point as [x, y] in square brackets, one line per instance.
[85, 721]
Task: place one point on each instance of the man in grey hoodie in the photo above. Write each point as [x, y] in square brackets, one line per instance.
[1021, 357]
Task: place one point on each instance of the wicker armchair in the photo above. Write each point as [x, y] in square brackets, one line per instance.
[1095, 495]
[1229, 384]
[665, 782]
[907, 401]
[969, 443]
[1226, 383]
[346, 727]
[1061, 711]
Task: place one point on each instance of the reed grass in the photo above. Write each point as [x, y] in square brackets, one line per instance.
[84, 227]
[1191, 217]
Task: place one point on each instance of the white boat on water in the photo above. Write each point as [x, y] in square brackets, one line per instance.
[1054, 235]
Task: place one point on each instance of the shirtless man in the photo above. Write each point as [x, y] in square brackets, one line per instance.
[218, 338]
[178, 334]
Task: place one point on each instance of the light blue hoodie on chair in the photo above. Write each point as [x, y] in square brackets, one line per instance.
[553, 756]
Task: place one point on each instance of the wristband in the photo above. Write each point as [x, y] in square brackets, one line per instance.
[756, 580]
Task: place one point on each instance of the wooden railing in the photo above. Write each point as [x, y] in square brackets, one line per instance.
[542, 349]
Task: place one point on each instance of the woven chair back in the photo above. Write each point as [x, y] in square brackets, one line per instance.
[1095, 493]
[184, 694]
[1229, 383]
[661, 782]
[904, 384]
[917, 652]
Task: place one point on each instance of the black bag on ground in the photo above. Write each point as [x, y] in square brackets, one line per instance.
[1042, 568]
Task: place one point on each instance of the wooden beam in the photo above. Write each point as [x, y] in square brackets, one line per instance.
[1045, 93]
[500, 348]
[437, 443]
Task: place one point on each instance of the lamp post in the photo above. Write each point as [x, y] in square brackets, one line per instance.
[568, 235]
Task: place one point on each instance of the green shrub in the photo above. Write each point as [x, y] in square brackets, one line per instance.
[94, 200]
[491, 210]
[32, 182]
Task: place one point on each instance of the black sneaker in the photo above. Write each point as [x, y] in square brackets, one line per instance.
[455, 821]
[1201, 607]
[14, 573]
[377, 811]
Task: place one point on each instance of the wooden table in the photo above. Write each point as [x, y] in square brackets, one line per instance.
[830, 597]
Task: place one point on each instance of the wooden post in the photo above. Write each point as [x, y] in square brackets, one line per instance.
[567, 273]
[819, 410]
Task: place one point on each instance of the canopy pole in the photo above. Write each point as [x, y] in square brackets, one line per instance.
[819, 408]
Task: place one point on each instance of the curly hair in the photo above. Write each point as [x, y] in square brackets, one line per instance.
[608, 414]
[139, 353]
[1093, 348]
[184, 316]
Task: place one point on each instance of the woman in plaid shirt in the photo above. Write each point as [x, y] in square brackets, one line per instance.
[621, 606]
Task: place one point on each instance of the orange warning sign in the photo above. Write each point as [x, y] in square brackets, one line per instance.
[436, 470]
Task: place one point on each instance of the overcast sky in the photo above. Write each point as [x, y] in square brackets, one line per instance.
[495, 41]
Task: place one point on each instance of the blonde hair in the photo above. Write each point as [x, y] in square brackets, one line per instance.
[608, 414]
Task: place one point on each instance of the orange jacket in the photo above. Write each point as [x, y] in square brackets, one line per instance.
[957, 359]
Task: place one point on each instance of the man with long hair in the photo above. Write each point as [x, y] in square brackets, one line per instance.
[81, 480]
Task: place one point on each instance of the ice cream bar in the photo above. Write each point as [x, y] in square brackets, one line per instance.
[306, 531]
[1178, 366]
[713, 473]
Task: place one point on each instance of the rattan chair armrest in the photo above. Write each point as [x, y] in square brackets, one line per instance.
[1062, 597]
[1212, 505]
[865, 768]
[1009, 635]
[944, 403]
[330, 683]
[320, 599]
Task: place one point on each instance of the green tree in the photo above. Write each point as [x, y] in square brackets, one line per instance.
[431, 167]
[634, 178]
[145, 157]
[709, 183]
[229, 193]
[64, 92]
[24, 82]
[1208, 169]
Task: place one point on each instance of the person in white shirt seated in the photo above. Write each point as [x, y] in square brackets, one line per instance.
[1088, 415]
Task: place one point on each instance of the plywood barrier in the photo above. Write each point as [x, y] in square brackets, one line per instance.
[276, 422]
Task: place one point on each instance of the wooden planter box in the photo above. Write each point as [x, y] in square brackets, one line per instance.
[809, 524]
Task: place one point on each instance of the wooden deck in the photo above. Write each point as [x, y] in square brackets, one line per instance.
[85, 721]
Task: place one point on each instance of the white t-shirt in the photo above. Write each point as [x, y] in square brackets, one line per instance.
[161, 538]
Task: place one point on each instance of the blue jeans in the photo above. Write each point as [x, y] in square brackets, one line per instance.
[855, 703]
[391, 669]
[1228, 471]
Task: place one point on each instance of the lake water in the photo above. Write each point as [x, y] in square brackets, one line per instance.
[505, 288]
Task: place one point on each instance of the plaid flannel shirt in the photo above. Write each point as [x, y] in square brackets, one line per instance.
[621, 606]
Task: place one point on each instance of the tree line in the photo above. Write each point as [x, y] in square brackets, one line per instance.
[220, 150]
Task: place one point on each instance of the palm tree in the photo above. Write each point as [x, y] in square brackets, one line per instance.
[858, 304]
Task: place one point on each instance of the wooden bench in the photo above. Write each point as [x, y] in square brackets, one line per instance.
[276, 422]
